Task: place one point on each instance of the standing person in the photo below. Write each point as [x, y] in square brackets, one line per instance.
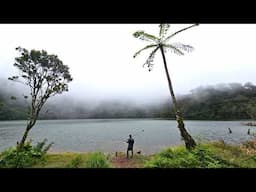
[130, 142]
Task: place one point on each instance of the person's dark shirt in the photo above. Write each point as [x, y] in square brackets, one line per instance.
[130, 143]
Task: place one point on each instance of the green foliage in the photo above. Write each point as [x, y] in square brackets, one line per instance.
[179, 157]
[42, 71]
[97, 160]
[42, 148]
[24, 157]
[145, 36]
[75, 162]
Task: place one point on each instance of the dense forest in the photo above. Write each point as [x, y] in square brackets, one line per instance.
[220, 102]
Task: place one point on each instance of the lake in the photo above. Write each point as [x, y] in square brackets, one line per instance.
[108, 135]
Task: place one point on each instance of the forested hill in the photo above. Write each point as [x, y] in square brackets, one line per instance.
[232, 101]
[220, 102]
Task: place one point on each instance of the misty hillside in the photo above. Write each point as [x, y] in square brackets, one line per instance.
[219, 102]
[13, 106]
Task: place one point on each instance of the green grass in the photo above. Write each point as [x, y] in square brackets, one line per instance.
[75, 160]
[61, 160]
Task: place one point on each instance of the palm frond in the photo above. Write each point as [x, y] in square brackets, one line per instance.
[149, 61]
[145, 36]
[163, 29]
[173, 49]
[167, 38]
[187, 48]
[147, 47]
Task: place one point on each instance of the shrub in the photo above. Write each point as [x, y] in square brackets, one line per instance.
[97, 160]
[24, 157]
[179, 157]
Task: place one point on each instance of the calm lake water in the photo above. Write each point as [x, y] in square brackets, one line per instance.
[107, 135]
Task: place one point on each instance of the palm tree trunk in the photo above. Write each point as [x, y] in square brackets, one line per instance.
[189, 141]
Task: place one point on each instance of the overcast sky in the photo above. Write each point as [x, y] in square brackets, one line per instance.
[100, 57]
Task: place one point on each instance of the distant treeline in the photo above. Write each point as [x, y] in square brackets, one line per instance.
[220, 102]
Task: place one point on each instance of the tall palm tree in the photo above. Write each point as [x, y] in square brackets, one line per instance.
[161, 43]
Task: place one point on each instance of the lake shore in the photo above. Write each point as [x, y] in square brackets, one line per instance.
[206, 155]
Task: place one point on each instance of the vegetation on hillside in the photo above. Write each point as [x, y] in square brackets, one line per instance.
[220, 102]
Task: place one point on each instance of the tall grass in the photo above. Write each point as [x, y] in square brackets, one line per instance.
[97, 160]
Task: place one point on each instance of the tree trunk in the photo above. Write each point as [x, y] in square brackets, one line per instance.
[32, 120]
[25, 135]
[189, 141]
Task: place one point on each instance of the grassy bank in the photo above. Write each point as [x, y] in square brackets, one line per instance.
[90, 160]
[206, 155]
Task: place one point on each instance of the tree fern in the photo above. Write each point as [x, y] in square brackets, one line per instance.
[177, 48]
